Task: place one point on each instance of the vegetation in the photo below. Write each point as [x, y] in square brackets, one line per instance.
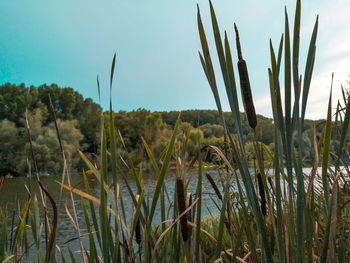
[78, 119]
[287, 216]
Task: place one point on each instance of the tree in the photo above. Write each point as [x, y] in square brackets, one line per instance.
[194, 141]
[10, 147]
[47, 150]
[212, 130]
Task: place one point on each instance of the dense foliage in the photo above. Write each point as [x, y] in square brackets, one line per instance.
[79, 122]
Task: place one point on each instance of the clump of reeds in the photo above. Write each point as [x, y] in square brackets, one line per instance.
[293, 210]
[298, 226]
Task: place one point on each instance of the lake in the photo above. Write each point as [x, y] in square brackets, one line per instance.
[14, 193]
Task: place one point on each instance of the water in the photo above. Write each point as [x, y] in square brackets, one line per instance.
[14, 193]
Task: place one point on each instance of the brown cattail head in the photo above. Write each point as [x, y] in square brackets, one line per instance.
[138, 232]
[245, 85]
[262, 194]
[138, 227]
[213, 184]
[182, 207]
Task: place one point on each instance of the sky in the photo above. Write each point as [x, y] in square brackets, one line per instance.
[156, 43]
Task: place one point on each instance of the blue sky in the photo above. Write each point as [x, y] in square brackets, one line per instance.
[70, 42]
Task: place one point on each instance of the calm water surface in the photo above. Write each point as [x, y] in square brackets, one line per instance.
[14, 194]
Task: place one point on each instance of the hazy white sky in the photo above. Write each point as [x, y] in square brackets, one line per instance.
[70, 42]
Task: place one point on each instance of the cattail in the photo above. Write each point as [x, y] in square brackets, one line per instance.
[245, 85]
[182, 207]
[213, 184]
[262, 194]
[138, 232]
[138, 227]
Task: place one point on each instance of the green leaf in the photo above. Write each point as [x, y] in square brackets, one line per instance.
[326, 149]
[308, 69]
[164, 169]
[199, 210]
[222, 219]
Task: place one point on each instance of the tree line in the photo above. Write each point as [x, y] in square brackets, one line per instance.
[78, 119]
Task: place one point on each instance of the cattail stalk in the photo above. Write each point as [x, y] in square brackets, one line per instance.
[182, 207]
[213, 184]
[245, 85]
[262, 194]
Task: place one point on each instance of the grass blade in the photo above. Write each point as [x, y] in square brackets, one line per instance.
[163, 170]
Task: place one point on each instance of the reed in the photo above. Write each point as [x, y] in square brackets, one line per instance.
[300, 217]
[284, 201]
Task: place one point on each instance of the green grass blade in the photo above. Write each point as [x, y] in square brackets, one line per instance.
[326, 150]
[71, 256]
[208, 65]
[150, 155]
[287, 77]
[92, 248]
[279, 57]
[92, 209]
[163, 170]
[219, 46]
[104, 224]
[222, 220]
[232, 89]
[308, 69]
[279, 119]
[199, 210]
[112, 132]
[280, 240]
[3, 235]
[345, 125]
[326, 238]
[296, 44]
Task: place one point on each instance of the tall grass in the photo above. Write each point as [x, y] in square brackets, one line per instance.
[281, 215]
[297, 218]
